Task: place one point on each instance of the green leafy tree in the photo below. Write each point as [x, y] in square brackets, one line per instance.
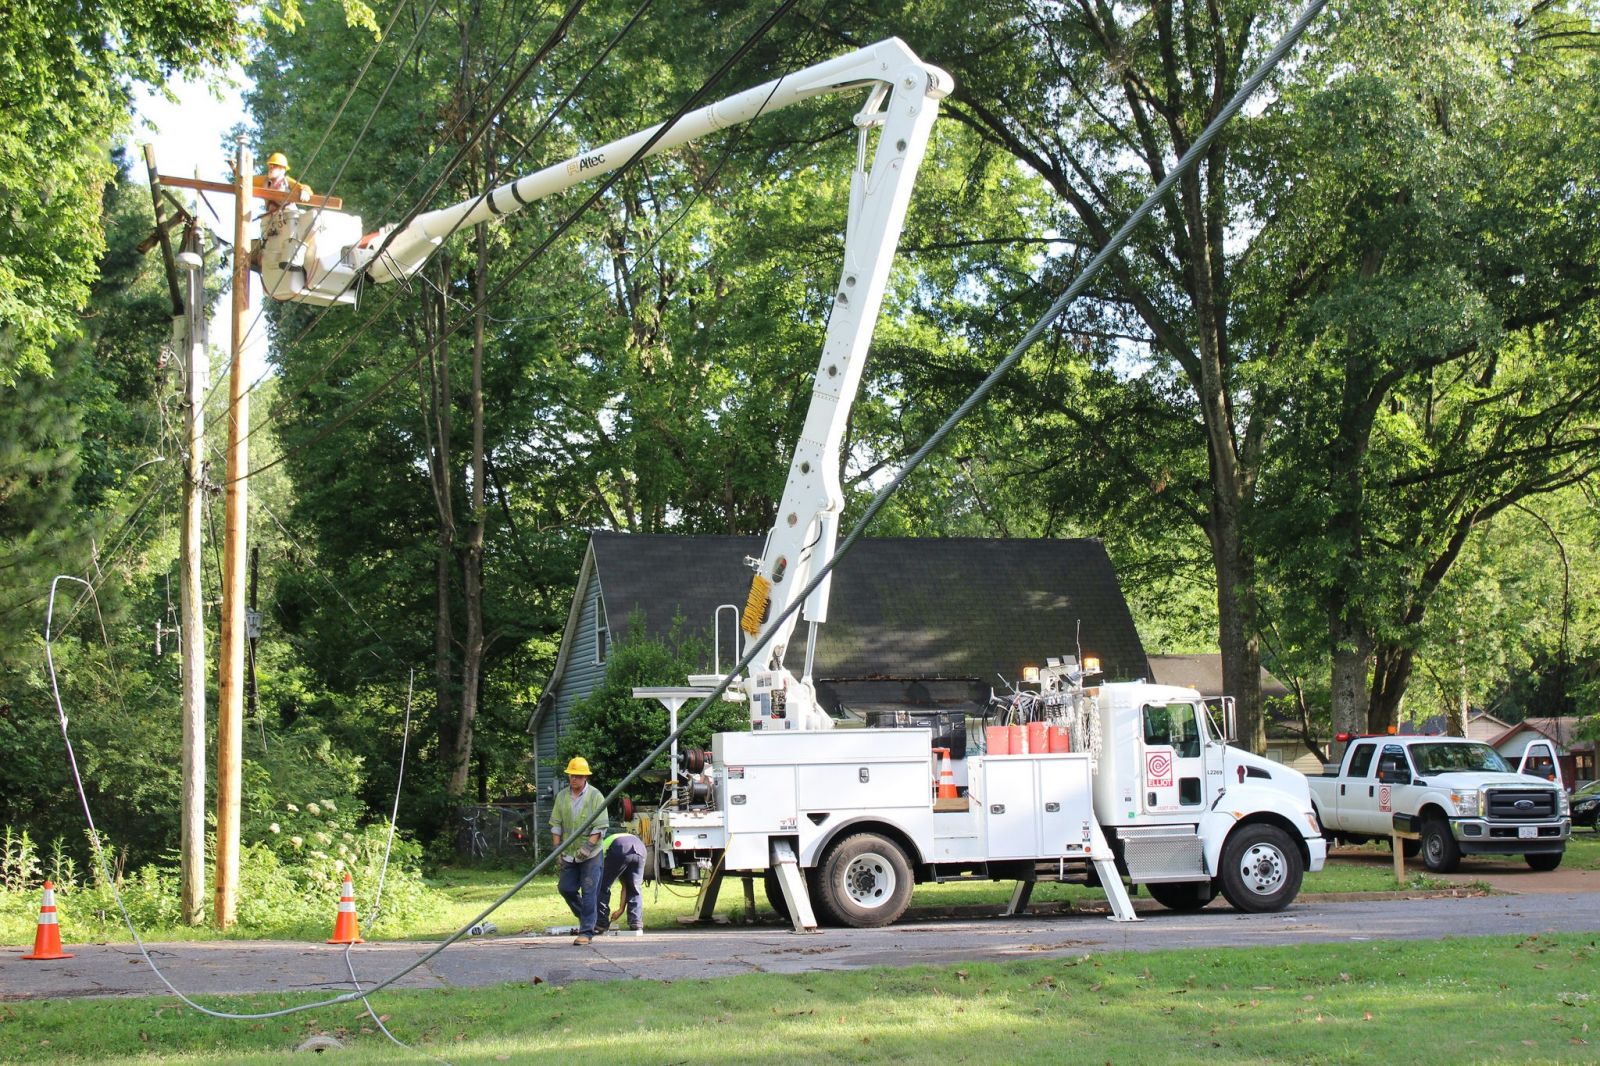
[615, 732]
[66, 71]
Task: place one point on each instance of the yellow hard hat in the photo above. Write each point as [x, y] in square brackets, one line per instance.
[278, 159]
[579, 767]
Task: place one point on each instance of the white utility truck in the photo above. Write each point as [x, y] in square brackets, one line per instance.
[1445, 797]
[1150, 789]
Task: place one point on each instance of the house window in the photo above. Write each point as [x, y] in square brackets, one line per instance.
[602, 635]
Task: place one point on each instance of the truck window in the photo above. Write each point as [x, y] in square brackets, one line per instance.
[1157, 724]
[1361, 760]
[1173, 725]
[1394, 764]
[1447, 757]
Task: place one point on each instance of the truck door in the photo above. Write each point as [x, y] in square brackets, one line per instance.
[1393, 782]
[1539, 760]
[1358, 791]
[1172, 767]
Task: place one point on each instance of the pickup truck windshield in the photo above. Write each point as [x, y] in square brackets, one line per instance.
[1448, 758]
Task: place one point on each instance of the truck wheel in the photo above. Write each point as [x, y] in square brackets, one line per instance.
[1261, 869]
[865, 881]
[1440, 853]
[1546, 860]
[1183, 896]
[775, 900]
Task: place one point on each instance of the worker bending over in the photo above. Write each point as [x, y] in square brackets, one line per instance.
[624, 858]
[581, 862]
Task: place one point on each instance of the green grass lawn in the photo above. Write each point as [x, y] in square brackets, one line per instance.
[1491, 999]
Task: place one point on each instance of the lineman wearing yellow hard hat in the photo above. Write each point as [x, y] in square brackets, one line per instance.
[581, 861]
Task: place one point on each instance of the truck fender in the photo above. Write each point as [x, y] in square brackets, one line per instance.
[1239, 806]
[813, 850]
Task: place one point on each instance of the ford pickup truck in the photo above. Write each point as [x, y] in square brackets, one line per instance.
[1445, 797]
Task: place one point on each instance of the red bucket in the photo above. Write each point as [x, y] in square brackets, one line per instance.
[997, 741]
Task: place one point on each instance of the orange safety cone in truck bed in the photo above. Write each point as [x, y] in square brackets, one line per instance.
[947, 776]
[344, 926]
[47, 941]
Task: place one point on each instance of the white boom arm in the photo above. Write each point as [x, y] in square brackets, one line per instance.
[316, 256]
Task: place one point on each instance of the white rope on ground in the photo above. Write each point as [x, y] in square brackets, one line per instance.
[1111, 248]
[383, 869]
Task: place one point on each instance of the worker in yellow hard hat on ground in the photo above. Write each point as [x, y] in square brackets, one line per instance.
[581, 862]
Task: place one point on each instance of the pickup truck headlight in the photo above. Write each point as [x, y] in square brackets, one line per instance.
[1468, 804]
[1563, 803]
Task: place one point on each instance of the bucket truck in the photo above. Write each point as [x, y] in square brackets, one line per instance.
[1149, 789]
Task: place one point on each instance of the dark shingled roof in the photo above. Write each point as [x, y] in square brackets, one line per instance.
[901, 607]
[1203, 673]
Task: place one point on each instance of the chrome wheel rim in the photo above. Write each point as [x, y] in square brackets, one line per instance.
[869, 880]
[1263, 869]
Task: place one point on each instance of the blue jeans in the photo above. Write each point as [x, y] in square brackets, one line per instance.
[624, 862]
[580, 887]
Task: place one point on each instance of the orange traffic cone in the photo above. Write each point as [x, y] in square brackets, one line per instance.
[947, 776]
[47, 941]
[344, 926]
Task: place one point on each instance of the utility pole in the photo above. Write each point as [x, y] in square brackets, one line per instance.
[189, 308]
[191, 602]
[230, 680]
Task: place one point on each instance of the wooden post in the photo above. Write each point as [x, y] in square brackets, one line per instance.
[230, 682]
[1398, 846]
[192, 864]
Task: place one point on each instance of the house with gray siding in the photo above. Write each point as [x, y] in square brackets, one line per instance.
[912, 622]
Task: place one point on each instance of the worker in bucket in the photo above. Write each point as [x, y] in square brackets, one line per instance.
[581, 860]
[624, 859]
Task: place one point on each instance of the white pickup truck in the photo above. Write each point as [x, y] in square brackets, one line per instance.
[1445, 797]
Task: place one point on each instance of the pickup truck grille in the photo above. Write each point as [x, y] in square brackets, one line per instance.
[1522, 803]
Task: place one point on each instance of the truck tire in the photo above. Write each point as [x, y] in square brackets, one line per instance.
[1440, 853]
[865, 882]
[1261, 869]
[1547, 860]
[1182, 896]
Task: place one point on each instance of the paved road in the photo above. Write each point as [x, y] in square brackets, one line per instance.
[224, 967]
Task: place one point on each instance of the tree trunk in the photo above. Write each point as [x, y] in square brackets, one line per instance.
[472, 550]
[1241, 647]
[1351, 648]
[437, 399]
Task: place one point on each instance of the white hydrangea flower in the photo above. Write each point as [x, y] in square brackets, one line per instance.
[274, 828]
[349, 836]
[297, 841]
[338, 866]
[291, 808]
[324, 839]
[312, 808]
[329, 805]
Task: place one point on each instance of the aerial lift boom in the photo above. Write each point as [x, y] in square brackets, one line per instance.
[317, 257]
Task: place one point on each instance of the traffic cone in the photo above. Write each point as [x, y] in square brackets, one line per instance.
[47, 941]
[344, 926]
[947, 776]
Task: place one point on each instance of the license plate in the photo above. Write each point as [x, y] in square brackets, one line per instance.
[1527, 832]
